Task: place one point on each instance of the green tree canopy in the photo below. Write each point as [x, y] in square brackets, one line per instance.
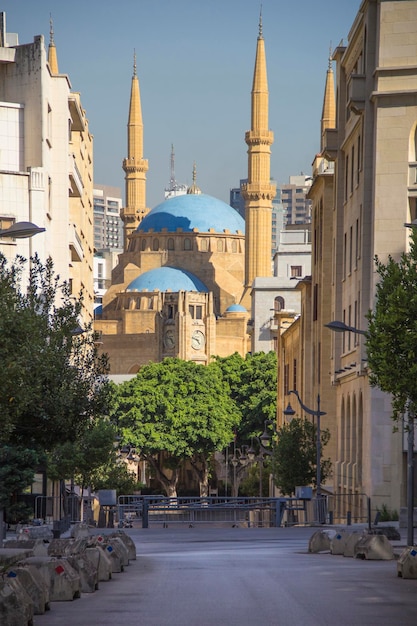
[294, 456]
[253, 387]
[173, 411]
[391, 339]
[53, 382]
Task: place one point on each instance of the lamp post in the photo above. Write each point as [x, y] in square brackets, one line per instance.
[263, 442]
[21, 230]
[317, 413]
[240, 457]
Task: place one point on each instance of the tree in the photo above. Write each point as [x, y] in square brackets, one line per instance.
[391, 339]
[176, 411]
[294, 457]
[53, 383]
[253, 388]
[17, 468]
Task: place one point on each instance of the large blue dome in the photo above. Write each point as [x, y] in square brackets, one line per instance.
[193, 211]
[167, 278]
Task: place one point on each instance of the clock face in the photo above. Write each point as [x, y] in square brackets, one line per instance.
[198, 340]
[169, 339]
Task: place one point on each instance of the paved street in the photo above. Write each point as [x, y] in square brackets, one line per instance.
[238, 576]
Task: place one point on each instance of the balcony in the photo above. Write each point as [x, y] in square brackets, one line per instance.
[75, 244]
[331, 143]
[356, 93]
[76, 183]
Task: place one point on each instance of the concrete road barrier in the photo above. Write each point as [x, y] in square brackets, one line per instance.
[16, 607]
[24, 533]
[352, 540]
[37, 547]
[128, 542]
[62, 580]
[375, 548]
[407, 563]
[320, 541]
[338, 542]
[35, 587]
[116, 550]
[87, 572]
[101, 561]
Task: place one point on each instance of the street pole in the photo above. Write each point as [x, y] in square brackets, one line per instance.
[318, 450]
[410, 480]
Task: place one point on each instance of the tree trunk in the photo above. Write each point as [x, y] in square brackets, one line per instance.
[201, 469]
[169, 484]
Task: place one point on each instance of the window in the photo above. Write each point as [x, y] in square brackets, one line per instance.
[219, 245]
[295, 374]
[170, 244]
[155, 245]
[187, 244]
[279, 303]
[143, 244]
[199, 312]
[296, 271]
[204, 245]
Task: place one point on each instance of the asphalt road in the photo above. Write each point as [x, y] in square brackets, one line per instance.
[239, 576]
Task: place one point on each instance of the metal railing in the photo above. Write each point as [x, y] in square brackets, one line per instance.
[250, 512]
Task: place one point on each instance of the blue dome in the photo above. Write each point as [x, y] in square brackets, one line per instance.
[167, 278]
[236, 308]
[193, 211]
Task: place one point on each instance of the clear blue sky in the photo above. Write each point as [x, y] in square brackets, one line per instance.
[195, 63]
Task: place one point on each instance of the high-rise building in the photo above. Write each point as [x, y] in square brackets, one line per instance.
[297, 206]
[108, 225]
[46, 161]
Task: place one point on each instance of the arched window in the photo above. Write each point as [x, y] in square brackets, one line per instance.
[204, 245]
[143, 244]
[170, 244]
[155, 245]
[234, 245]
[279, 303]
[220, 245]
[187, 244]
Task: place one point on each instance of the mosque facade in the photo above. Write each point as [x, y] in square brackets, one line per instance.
[182, 286]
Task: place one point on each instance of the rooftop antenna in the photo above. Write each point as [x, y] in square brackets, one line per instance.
[172, 181]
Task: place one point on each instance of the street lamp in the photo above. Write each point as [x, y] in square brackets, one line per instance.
[289, 411]
[239, 458]
[21, 230]
[341, 327]
[264, 441]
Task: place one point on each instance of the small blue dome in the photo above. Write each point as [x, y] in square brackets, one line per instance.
[98, 310]
[193, 211]
[167, 278]
[236, 308]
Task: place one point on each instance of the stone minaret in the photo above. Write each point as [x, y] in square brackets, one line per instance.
[258, 192]
[135, 166]
[52, 56]
[328, 116]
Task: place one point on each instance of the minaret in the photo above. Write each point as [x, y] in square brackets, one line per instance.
[135, 166]
[258, 192]
[52, 56]
[328, 116]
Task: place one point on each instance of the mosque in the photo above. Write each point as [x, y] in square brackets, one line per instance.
[183, 284]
